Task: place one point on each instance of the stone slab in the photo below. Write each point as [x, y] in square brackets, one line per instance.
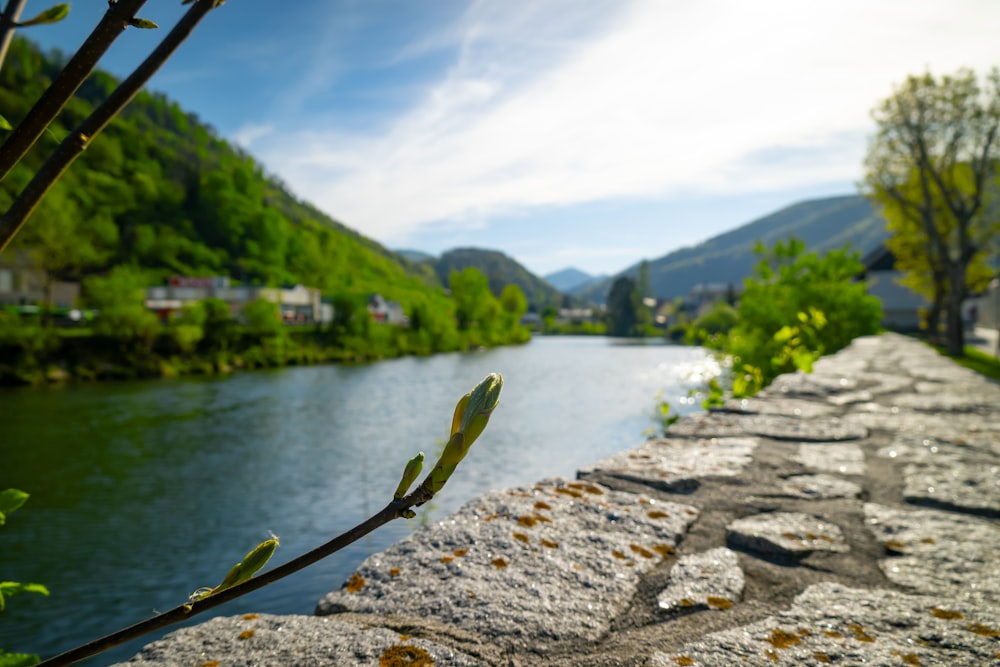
[961, 475]
[843, 458]
[832, 624]
[945, 402]
[815, 487]
[709, 580]
[948, 426]
[788, 407]
[777, 427]
[524, 567]
[677, 465]
[252, 640]
[785, 534]
[937, 552]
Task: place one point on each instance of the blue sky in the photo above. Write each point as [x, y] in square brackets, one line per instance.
[563, 133]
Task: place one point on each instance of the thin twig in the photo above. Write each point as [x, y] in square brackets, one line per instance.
[73, 145]
[66, 84]
[8, 23]
[185, 611]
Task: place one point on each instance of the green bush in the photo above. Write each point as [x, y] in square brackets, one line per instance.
[796, 307]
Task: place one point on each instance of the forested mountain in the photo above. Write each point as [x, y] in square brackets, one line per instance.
[161, 191]
[501, 271]
[824, 224]
[570, 279]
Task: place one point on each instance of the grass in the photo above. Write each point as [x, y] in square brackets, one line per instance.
[976, 360]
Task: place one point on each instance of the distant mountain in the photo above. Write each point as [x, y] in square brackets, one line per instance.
[570, 279]
[501, 271]
[824, 224]
[416, 256]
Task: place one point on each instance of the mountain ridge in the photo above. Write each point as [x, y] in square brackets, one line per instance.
[824, 224]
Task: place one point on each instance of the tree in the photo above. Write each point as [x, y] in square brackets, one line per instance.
[623, 313]
[473, 300]
[119, 299]
[514, 303]
[932, 165]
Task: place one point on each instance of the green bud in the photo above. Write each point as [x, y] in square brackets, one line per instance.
[242, 571]
[471, 416]
[480, 401]
[257, 559]
[410, 473]
[51, 15]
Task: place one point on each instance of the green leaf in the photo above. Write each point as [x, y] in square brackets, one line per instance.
[53, 14]
[18, 659]
[8, 588]
[5, 124]
[15, 587]
[10, 500]
[145, 24]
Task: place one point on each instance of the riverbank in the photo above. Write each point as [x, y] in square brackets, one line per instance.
[40, 356]
[850, 517]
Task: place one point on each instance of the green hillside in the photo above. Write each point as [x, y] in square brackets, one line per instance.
[161, 191]
[501, 271]
[824, 224]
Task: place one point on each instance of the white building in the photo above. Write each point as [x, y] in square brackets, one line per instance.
[298, 304]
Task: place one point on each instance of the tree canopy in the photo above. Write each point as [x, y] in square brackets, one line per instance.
[932, 165]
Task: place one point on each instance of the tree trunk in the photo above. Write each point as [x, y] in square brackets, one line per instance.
[955, 335]
[934, 318]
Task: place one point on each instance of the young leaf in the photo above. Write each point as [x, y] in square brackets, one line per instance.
[145, 24]
[410, 473]
[8, 588]
[5, 124]
[17, 659]
[53, 14]
[10, 500]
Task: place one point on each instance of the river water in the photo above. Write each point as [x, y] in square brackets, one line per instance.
[142, 492]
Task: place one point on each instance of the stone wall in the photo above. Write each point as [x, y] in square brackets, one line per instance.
[850, 516]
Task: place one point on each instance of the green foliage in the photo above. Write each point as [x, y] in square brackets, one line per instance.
[797, 307]
[159, 194]
[263, 319]
[160, 189]
[119, 299]
[11, 500]
[720, 319]
[500, 271]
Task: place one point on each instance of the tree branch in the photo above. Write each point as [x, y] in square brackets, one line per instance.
[8, 21]
[66, 84]
[74, 144]
[182, 612]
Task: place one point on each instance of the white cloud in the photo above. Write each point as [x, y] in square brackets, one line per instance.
[249, 133]
[667, 97]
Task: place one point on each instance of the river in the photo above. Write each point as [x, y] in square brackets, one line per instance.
[142, 492]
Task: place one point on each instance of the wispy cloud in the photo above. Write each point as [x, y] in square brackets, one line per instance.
[248, 134]
[545, 105]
